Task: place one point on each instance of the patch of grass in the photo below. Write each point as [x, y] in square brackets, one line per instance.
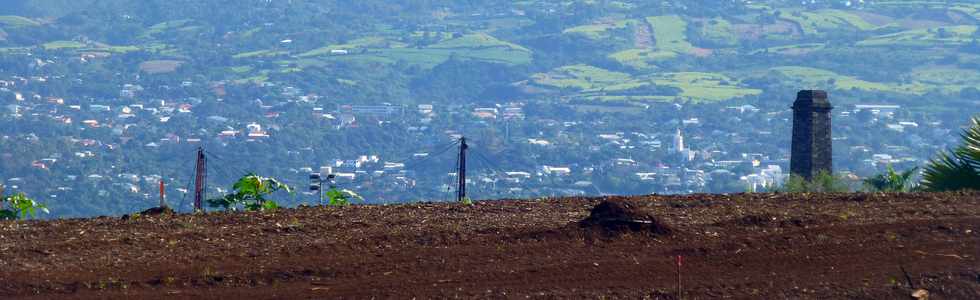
[792, 49]
[599, 31]
[242, 69]
[642, 58]
[718, 31]
[478, 46]
[164, 26]
[259, 53]
[429, 57]
[18, 21]
[852, 19]
[825, 20]
[254, 79]
[670, 33]
[947, 76]
[120, 49]
[347, 81]
[696, 87]
[249, 33]
[580, 77]
[58, 45]
[825, 79]
[14, 50]
[477, 40]
[704, 87]
[940, 36]
[361, 43]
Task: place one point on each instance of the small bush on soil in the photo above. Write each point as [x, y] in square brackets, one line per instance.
[20, 206]
[250, 192]
[617, 217]
[891, 181]
[343, 197]
[823, 182]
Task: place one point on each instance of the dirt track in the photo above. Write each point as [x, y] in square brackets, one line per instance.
[743, 246]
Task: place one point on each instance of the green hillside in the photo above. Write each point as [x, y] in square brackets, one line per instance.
[603, 51]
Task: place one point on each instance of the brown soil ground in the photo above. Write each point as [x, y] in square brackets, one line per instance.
[760, 246]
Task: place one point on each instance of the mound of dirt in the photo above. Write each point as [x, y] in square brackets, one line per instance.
[616, 217]
[155, 211]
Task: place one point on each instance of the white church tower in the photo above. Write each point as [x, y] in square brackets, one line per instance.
[679, 142]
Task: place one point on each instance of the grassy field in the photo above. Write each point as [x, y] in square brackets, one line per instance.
[824, 79]
[670, 33]
[717, 30]
[361, 43]
[946, 36]
[798, 49]
[599, 31]
[478, 40]
[478, 46]
[59, 45]
[947, 76]
[241, 69]
[642, 58]
[164, 26]
[17, 21]
[704, 87]
[604, 85]
[580, 77]
[826, 20]
[4, 50]
[260, 53]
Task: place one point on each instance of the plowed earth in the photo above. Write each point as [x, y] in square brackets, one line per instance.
[759, 246]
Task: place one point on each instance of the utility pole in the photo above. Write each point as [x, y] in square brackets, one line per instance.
[461, 190]
[200, 179]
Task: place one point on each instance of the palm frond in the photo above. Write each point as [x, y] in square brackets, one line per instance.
[950, 172]
[970, 150]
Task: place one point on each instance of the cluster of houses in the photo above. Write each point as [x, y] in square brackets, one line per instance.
[678, 156]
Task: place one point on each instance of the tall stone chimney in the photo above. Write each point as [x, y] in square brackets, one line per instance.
[812, 145]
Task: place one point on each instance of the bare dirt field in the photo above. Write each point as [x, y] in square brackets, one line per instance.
[760, 246]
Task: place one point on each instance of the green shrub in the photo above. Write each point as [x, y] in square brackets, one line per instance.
[823, 182]
[19, 206]
[891, 181]
[250, 192]
[343, 197]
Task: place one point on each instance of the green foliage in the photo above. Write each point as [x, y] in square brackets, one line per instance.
[823, 182]
[959, 169]
[891, 181]
[250, 192]
[20, 207]
[467, 201]
[343, 197]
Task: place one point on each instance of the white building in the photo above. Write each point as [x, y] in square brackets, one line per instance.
[678, 145]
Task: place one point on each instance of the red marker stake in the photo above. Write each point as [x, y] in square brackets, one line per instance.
[680, 262]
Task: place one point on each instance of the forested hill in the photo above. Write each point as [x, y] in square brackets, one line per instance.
[605, 51]
[93, 89]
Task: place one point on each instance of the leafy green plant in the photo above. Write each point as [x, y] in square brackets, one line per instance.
[339, 197]
[958, 169]
[20, 207]
[250, 192]
[891, 181]
[822, 182]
